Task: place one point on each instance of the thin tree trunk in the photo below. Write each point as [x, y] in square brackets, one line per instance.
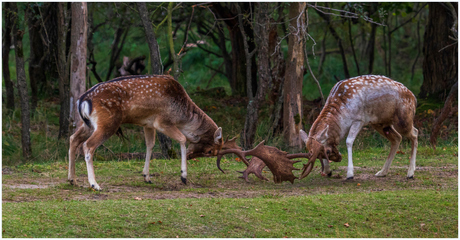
[262, 30]
[156, 67]
[292, 116]
[175, 58]
[353, 47]
[118, 42]
[238, 81]
[389, 49]
[9, 86]
[155, 60]
[323, 53]
[36, 73]
[371, 48]
[91, 30]
[385, 49]
[78, 58]
[63, 70]
[339, 42]
[22, 85]
[418, 49]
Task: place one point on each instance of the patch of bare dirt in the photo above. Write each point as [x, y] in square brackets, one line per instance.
[26, 186]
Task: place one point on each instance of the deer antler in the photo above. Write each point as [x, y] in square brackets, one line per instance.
[256, 165]
[317, 151]
[276, 160]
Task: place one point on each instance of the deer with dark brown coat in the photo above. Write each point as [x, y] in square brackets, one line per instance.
[388, 106]
[154, 102]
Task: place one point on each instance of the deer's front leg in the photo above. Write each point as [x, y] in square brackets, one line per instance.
[354, 130]
[174, 133]
[183, 165]
[327, 170]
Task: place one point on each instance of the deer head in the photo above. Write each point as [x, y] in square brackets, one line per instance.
[319, 151]
[206, 147]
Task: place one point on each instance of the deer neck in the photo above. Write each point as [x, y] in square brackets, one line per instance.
[198, 127]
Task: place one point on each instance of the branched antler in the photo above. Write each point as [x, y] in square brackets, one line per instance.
[279, 162]
[256, 165]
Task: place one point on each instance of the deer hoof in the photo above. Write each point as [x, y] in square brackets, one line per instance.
[349, 178]
[411, 177]
[184, 180]
[380, 174]
[329, 174]
[96, 187]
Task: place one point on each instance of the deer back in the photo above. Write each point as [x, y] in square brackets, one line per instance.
[372, 99]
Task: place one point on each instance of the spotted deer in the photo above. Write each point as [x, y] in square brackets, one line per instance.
[155, 102]
[388, 106]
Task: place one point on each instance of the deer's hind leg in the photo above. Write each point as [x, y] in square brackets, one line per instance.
[395, 139]
[82, 133]
[413, 136]
[149, 134]
[105, 124]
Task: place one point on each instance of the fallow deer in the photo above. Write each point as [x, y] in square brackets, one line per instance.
[388, 106]
[155, 102]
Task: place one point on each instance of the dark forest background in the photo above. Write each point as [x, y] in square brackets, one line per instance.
[237, 61]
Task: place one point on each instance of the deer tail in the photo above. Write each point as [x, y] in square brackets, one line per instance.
[85, 108]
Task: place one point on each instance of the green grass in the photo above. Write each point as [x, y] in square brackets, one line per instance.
[404, 213]
[313, 207]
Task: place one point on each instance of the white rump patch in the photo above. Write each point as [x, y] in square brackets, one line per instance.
[85, 110]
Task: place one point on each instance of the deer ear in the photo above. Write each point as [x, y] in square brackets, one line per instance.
[303, 136]
[218, 135]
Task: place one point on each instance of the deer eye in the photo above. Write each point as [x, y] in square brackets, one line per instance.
[328, 152]
[209, 152]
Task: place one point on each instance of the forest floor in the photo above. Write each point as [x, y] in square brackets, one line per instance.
[38, 201]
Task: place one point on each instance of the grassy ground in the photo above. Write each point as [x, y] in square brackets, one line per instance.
[38, 202]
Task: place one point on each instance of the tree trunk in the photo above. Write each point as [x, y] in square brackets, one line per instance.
[370, 50]
[353, 47]
[453, 94]
[78, 58]
[9, 86]
[292, 115]
[262, 31]
[155, 59]
[175, 58]
[50, 41]
[238, 81]
[371, 47]
[117, 46]
[63, 70]
[156, 67]
[339, 42]
[22, 86]
[36, 73]
[440, 64]
[277, 71]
